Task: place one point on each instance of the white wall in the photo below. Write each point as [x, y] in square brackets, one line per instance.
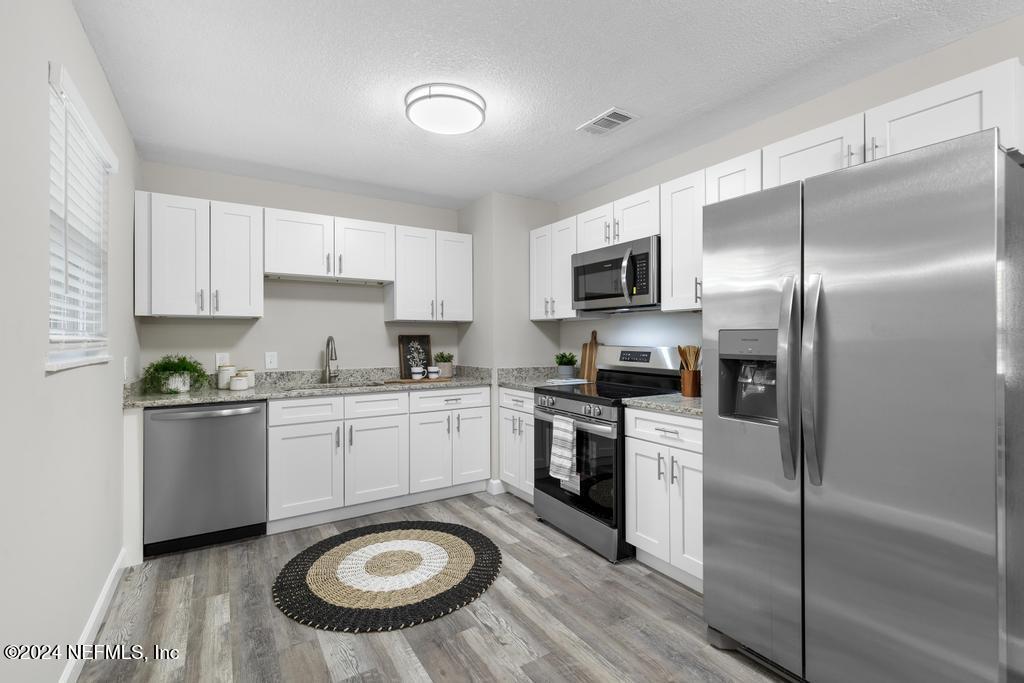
[976, 51]
[476, 340]
[298, 316]
[61, 454]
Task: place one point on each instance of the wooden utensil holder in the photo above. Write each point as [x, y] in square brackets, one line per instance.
[691, 383]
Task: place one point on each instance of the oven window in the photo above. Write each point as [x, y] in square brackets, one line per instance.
[598, 280]
[595, 462]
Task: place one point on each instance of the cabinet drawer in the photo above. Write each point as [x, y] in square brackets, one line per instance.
[294, 411]
[425, 401]
[686, 433]
[516, 400]
[374, 405]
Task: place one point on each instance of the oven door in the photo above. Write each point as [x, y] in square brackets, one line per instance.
[620, 276]
[597, 461]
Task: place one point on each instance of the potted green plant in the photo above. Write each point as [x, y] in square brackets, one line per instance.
[566, 362]
[444, 362]
[174, 375]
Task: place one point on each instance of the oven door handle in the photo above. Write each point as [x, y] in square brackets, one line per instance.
[611, 431]
[622, 275]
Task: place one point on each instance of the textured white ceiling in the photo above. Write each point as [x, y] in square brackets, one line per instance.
[311, 91]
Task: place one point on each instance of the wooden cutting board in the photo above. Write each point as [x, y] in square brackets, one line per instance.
[588, 359]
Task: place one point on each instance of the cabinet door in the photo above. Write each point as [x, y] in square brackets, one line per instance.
[304, 469]
[829, 148]
[236, 260]
[526, 448]
[594, 228]
[563, 246]
[733, 178]
[364, 250]
[454, 276]
[686, 503]
[508, 447]
[376, 458]
[540, 273]
[647, 497]
[413, 294]
[471, 448]
[430, 451]
[180, 255]
[636, 216]
[682, 230]
[299, 244]
[977, 101]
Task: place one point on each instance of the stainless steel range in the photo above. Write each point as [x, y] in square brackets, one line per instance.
[591, 511]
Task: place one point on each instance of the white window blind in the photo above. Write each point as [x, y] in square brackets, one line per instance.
[80, 162]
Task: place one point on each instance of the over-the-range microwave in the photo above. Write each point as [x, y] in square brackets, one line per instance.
[618, 277]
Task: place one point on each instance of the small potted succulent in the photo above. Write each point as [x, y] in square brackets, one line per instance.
[444, 362]
[566, 362]
[174, 375]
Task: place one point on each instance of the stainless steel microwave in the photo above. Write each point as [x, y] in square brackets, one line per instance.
[619, 277]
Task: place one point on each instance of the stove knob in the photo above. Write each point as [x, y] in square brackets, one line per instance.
[588, 409]
[551, 401]
[597, 410]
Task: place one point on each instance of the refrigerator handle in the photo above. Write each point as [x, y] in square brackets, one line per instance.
[787, 396]
[808, 381]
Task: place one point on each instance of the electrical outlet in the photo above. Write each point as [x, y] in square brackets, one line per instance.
[223, 358]
[126, 368]
[270, 360]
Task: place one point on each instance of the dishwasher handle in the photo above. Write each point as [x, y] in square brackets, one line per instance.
[202, 414]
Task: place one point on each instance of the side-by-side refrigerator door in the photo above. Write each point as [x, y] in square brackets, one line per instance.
[899, 403]
[752, 319]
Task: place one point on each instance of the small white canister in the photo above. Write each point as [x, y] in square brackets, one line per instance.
[239, 383]
[224, 375]
[250, 376]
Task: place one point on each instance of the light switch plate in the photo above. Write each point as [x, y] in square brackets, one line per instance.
[223, 358]
[270, 360]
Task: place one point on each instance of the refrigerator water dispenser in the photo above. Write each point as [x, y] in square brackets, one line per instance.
[746, 375]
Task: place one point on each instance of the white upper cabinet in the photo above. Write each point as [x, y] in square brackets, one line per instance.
[179, 256]
[636, 216]
[454, 276]
[413, 296]
[733, 178]
[682, 230]
[236, 260]
[984, 99]
[594, 228]
[299, 244]
[551, 250]
[364, 250]
[829, 148]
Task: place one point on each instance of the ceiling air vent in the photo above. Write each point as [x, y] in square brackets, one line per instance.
[613, 119]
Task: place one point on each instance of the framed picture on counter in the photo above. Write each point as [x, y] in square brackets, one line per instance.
[413, 351]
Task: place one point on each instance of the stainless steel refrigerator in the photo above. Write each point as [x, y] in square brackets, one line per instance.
[863, 418]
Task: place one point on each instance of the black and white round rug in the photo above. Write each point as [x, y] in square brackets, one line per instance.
[387, 576]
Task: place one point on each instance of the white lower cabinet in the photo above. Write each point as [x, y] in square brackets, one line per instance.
[515, 447]
[686, 511]
[430, 453]
[647, 498]
[471, 445]
[376, 458]
[305, 469]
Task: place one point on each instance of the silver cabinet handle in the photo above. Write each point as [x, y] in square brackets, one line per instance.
[517, 401]
[167, 416]
[449, 427]
[328, 260]
[786, 398]
[874, 148]
[431, 309]
[666, 430]
[672, 470]
[340, 269]
[458, 422]
[552, 306]
[661, 474]
[615, 233]
[513, 424]
[457, 399]
[442, 309]
[520, 426]
[337, 436]
[622, 274]
[351, 436]
[849, 156]
[216, 300]
[546, 304]
[202, 300]
[697, 285]
[808, 386]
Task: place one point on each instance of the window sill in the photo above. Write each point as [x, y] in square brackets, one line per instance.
[69, 363]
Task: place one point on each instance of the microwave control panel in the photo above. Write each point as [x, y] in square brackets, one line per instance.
[641, 274]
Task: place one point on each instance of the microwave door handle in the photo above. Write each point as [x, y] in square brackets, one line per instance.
[622, 275]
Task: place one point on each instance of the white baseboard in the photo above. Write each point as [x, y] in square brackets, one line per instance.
[338, 514]
[675, 573]
[99, 610]
[495, 487]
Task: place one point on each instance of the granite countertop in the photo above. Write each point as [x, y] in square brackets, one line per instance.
[523, 384]
[272, 391]
[668, 403]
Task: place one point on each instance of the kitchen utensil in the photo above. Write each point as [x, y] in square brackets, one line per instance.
[588, 360]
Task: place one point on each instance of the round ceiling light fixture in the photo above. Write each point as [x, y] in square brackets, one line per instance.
[445, 108]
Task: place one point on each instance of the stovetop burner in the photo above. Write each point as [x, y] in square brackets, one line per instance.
[608, 393]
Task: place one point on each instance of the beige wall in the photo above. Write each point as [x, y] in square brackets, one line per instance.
[61, 455]
[476, 340]
[297, 316]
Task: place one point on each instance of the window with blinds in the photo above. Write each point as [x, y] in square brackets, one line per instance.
[79, 168]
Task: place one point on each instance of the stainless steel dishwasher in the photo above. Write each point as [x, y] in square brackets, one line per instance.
[204, 475]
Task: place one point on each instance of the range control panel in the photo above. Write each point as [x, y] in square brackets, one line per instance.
[635, 356]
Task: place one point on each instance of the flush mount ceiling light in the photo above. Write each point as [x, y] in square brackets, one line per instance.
[445, 108]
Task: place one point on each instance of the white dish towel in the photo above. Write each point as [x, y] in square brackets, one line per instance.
[563, 453]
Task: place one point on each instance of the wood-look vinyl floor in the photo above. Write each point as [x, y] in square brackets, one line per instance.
[557, 612]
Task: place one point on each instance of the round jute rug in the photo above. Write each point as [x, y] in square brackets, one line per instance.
[387, 576]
